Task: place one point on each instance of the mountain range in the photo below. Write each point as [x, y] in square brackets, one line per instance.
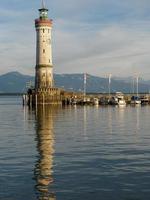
[15, 82]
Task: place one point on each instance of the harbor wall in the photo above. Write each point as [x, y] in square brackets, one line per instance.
[58, 96]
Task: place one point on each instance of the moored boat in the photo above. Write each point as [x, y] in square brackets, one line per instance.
[96, 101]
[144, 100]
[104, 101]
[118, 99]
[135, 100]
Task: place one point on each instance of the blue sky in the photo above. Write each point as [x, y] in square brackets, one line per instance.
[93, 36]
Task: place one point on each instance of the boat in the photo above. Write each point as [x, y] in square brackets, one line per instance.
[135, 100]
[96, 101]
[118, 99]
[144, 100]
[104, 101]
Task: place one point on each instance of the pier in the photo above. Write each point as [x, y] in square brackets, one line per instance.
[74, 98]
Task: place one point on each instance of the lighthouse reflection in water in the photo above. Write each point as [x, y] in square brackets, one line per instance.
[45, 146]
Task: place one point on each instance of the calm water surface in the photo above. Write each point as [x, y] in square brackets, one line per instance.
[76, 153]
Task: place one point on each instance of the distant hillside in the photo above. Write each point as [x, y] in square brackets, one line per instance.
[15, 82]
[97, 84]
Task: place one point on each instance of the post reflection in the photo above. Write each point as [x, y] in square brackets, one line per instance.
[45, 146]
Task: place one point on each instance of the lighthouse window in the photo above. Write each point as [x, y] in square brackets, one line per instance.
[43, 30]
[49, 60]
[43, 50]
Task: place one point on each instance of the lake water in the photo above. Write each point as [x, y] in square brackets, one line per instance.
[74, 153]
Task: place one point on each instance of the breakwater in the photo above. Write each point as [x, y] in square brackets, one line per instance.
[72, 98]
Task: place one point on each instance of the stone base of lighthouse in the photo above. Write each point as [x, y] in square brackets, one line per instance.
[45, 96]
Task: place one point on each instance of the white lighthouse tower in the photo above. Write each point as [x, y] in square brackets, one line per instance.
[44, 66]
[44, 91]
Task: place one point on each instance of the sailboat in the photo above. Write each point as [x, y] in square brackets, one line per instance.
[136, 99]
[118, 99]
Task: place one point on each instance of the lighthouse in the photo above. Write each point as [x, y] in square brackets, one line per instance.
[44, 91]
[44, 66]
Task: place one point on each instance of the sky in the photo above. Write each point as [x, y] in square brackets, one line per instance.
[98, 37]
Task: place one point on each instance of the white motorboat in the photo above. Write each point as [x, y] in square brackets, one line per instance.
[135, 100]
[96, 101]
[118, 99]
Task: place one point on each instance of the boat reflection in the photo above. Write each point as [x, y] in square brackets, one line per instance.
[45, 146]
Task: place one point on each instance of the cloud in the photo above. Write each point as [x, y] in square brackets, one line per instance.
[111, 49]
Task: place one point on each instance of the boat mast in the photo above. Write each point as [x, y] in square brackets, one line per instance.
[137, 85]
[109, 83]
[85, 81]
[133, 85]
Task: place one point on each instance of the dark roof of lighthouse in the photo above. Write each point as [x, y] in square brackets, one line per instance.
[43, 9]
